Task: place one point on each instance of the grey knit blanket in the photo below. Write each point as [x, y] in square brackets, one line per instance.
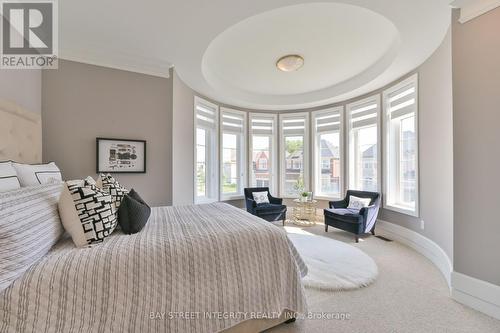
[200, 268]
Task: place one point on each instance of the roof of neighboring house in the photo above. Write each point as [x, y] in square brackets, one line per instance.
[259, 155]
[370, 152]
[331, 150]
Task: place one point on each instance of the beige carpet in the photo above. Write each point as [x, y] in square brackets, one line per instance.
[409, 295]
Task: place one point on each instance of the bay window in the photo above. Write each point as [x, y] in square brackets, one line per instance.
[262, 151]
[233, 152]
[327, 153]
[294, 148]
[363, 143]
[401, 149]
[206, 155]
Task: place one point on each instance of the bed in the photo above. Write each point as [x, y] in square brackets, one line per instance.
[203, 268]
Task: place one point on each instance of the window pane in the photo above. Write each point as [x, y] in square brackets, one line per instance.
[363, 160]
[201, 172]
[329, 164]
[230, 172]
[294, 164]
[261, 161]
[407, 166]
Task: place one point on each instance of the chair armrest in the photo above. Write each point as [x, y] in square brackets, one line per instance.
[251, 204]
[366, 210]
[338, 204]
[275, 201]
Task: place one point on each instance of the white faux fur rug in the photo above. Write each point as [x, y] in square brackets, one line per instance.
[332, 265]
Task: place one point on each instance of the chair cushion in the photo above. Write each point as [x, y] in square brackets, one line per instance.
[268, 208]
[343, 213]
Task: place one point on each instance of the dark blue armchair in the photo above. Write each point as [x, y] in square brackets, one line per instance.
[357, 222]
[272, 211]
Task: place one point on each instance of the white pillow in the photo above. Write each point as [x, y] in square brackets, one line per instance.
[37, 174]
[358, 203]
[8, 177]
[87, 213]
[260, 197]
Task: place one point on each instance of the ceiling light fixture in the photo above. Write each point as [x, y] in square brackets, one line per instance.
[290, 63]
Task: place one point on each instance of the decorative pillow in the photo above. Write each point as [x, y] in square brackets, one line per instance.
[110, 185]
[90, 181]
[8, 177]
[36, 174]
[358, 203]
[29, 227]
[133, 213]
[87, 213]
[260, 197]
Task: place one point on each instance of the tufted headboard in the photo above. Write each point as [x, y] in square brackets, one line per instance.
[20, 134]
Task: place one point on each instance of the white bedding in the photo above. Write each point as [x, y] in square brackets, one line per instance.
[205, 260]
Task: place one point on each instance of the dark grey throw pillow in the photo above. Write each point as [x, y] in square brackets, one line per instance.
[133, 213]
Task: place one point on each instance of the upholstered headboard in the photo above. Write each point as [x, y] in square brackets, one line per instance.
[20, 134]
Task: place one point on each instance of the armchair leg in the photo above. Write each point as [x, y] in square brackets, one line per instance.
[357, 238]
[283, 222]
[373, 231]
[326, 227]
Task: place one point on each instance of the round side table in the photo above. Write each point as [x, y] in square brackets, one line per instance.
[304, 213]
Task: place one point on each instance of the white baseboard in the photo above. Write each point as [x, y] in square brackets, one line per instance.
[477, 294]
[419, 243]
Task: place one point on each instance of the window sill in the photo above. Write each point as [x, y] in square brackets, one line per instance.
[325, 198]
[401, 210]
[200, 201]
[232, 197]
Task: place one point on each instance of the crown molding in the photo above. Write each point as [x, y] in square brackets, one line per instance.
[470, 9]
[121, 61]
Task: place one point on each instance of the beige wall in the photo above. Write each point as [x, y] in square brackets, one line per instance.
[435, 152]
[81, 102]
[182, 143]
[476, 84]
[23, 87]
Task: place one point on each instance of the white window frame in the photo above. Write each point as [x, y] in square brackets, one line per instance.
[273, 150]
[387, 129]
[282, 163]
[215, 163]
[316, 149]
[242, 165]
[372, 99]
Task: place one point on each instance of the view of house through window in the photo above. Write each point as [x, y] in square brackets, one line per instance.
[328, 153]
[294, 139]
[233, 152]
[263, 151]
[261, 176]
[294, 161]
[364, 159]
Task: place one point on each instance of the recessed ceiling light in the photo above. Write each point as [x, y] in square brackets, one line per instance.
[290, 63]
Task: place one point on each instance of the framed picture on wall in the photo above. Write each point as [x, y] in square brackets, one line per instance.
[120, 156]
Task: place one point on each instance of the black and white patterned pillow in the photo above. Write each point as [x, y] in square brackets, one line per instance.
[110, 185]
[87, 213]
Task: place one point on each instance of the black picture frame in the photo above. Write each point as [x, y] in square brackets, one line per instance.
[101, 141]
